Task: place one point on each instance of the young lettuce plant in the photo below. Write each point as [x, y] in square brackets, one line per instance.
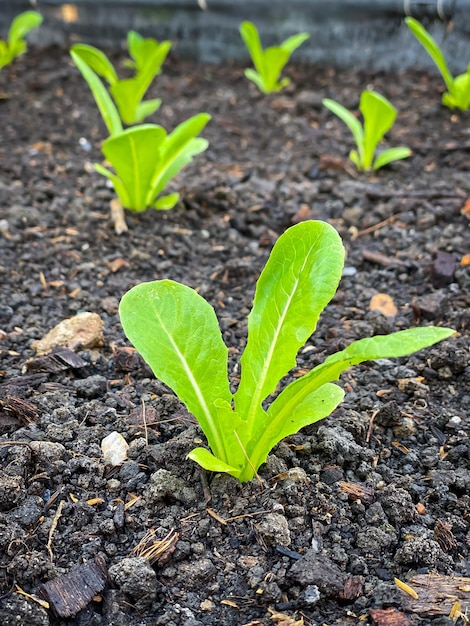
[457, 95]
[147, 57]
[177, 333]
[269, 63]
[145, 158]
[16, 43]
[379, 116]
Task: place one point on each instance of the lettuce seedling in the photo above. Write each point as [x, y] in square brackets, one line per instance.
[269, 63]
[457, 95]
[145, 158]
[16, 43]
[147, 57]
[177, 333]
[379, 116]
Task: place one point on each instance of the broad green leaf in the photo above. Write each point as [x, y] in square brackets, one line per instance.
[177, 333]
[96, 61]
[390, 155]
[211, 463]
[295, 41]
[250, 36]
[429, 44]
[134, 154]
[379, 115]
[381, 346]
[351, 122]
[22, 25]
[298, 281]
[274, 61]
[278, 425]
[102, 98]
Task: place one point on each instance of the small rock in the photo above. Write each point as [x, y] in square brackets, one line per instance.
[48, 451]
[114, 448]
[163, 484]
[92, 386]
[443, 269]
[12, 491]
[85, 331]
[419, 551]
[274, 529]
[320, 571]
[135, 577]
[432, 305]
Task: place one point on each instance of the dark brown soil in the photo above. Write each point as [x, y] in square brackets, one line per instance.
[377, 491]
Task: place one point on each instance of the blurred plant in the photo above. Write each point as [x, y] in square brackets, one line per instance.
[145, 158]
[457, 95]
[270, 62]
[16, 43]
[147, 57]
[379, 116]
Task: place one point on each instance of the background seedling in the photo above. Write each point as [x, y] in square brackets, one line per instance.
[379, 116]
[457, 95]
[145, 158]
[270, 62]
[147, 57]
[15, 43]
[177, 333]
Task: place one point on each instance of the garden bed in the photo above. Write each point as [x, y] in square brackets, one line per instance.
[377, 491]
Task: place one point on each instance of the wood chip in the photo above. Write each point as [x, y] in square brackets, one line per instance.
[437, 594]
[70, 593]
[388, 617]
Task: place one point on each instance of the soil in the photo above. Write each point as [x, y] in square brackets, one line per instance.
[378, 491]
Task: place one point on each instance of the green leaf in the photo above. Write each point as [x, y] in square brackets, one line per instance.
[275, 59]
[166, 202]
[134, 154]
[102, 98]
[178, 151]
[211, 463]
[255, 78]
[144, 109]
[298, 281]
[352, 123]
[460, 95]
[177, 333]
[250, 36]
[295, 41]
[95, 60]
[21, 25]
[381, 346]
[390, 155]
[379, 116]
[118, 185]
[278, 424]
[129, 92]
[429, 44]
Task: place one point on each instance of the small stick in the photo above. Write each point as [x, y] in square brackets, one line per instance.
[53, 527]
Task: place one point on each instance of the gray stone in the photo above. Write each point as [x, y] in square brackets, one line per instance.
[136, 578]
[274, 529]
[320, 571]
